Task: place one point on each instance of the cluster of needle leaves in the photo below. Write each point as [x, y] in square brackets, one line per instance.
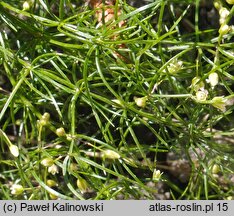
[102, 111]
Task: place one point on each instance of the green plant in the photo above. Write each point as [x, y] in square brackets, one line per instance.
[91, 125]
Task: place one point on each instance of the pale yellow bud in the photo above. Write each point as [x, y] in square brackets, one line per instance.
[109, 154]
[26, 6]
[52, 196]
[18, 122]
[224, 12]
[224, 29]
[230, 1]
[215, 169]
[47, 162]
[46, 116]
[217, 4]
[17, 189]
[60, 132]
[51, 183]
[141, 102]
[213, 79]
[82, 185]
[58, 146]
[44, 120]
[14, 150]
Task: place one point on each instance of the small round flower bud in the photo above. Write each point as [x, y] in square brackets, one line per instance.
[51, 183]
[109, 154]
[47, 162]
[52, 196]
[224, 12]
[141, 102]
[44, 120]
[230, 1]
[18, 122]
[26, 6]
[58, 146]
[82, 185]
[46, 116]
[213, 79]
[224, 29]
[215, 169]
[17, 189]
[14, 150]
[60, 132]
[217, 4]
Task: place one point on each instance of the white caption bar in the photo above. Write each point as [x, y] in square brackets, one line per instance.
[117, 208]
